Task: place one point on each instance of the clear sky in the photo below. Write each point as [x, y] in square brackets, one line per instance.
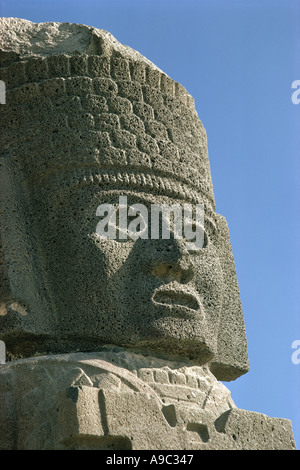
[238, 59]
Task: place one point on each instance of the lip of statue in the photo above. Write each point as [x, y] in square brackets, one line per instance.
[177, 299]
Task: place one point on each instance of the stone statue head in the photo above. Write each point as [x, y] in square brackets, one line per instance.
[88, 121]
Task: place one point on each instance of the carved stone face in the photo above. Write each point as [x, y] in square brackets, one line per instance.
[83, 110]
[148, 294]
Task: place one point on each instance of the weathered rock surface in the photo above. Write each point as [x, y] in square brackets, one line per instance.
[117, 400]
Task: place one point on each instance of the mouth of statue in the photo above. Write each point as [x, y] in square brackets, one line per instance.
[176, 298]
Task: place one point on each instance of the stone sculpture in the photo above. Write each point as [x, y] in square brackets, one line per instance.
[111, 344]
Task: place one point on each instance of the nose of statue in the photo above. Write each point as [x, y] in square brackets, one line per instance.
[168, 259]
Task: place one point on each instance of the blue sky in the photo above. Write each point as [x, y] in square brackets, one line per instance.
[238, 59]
